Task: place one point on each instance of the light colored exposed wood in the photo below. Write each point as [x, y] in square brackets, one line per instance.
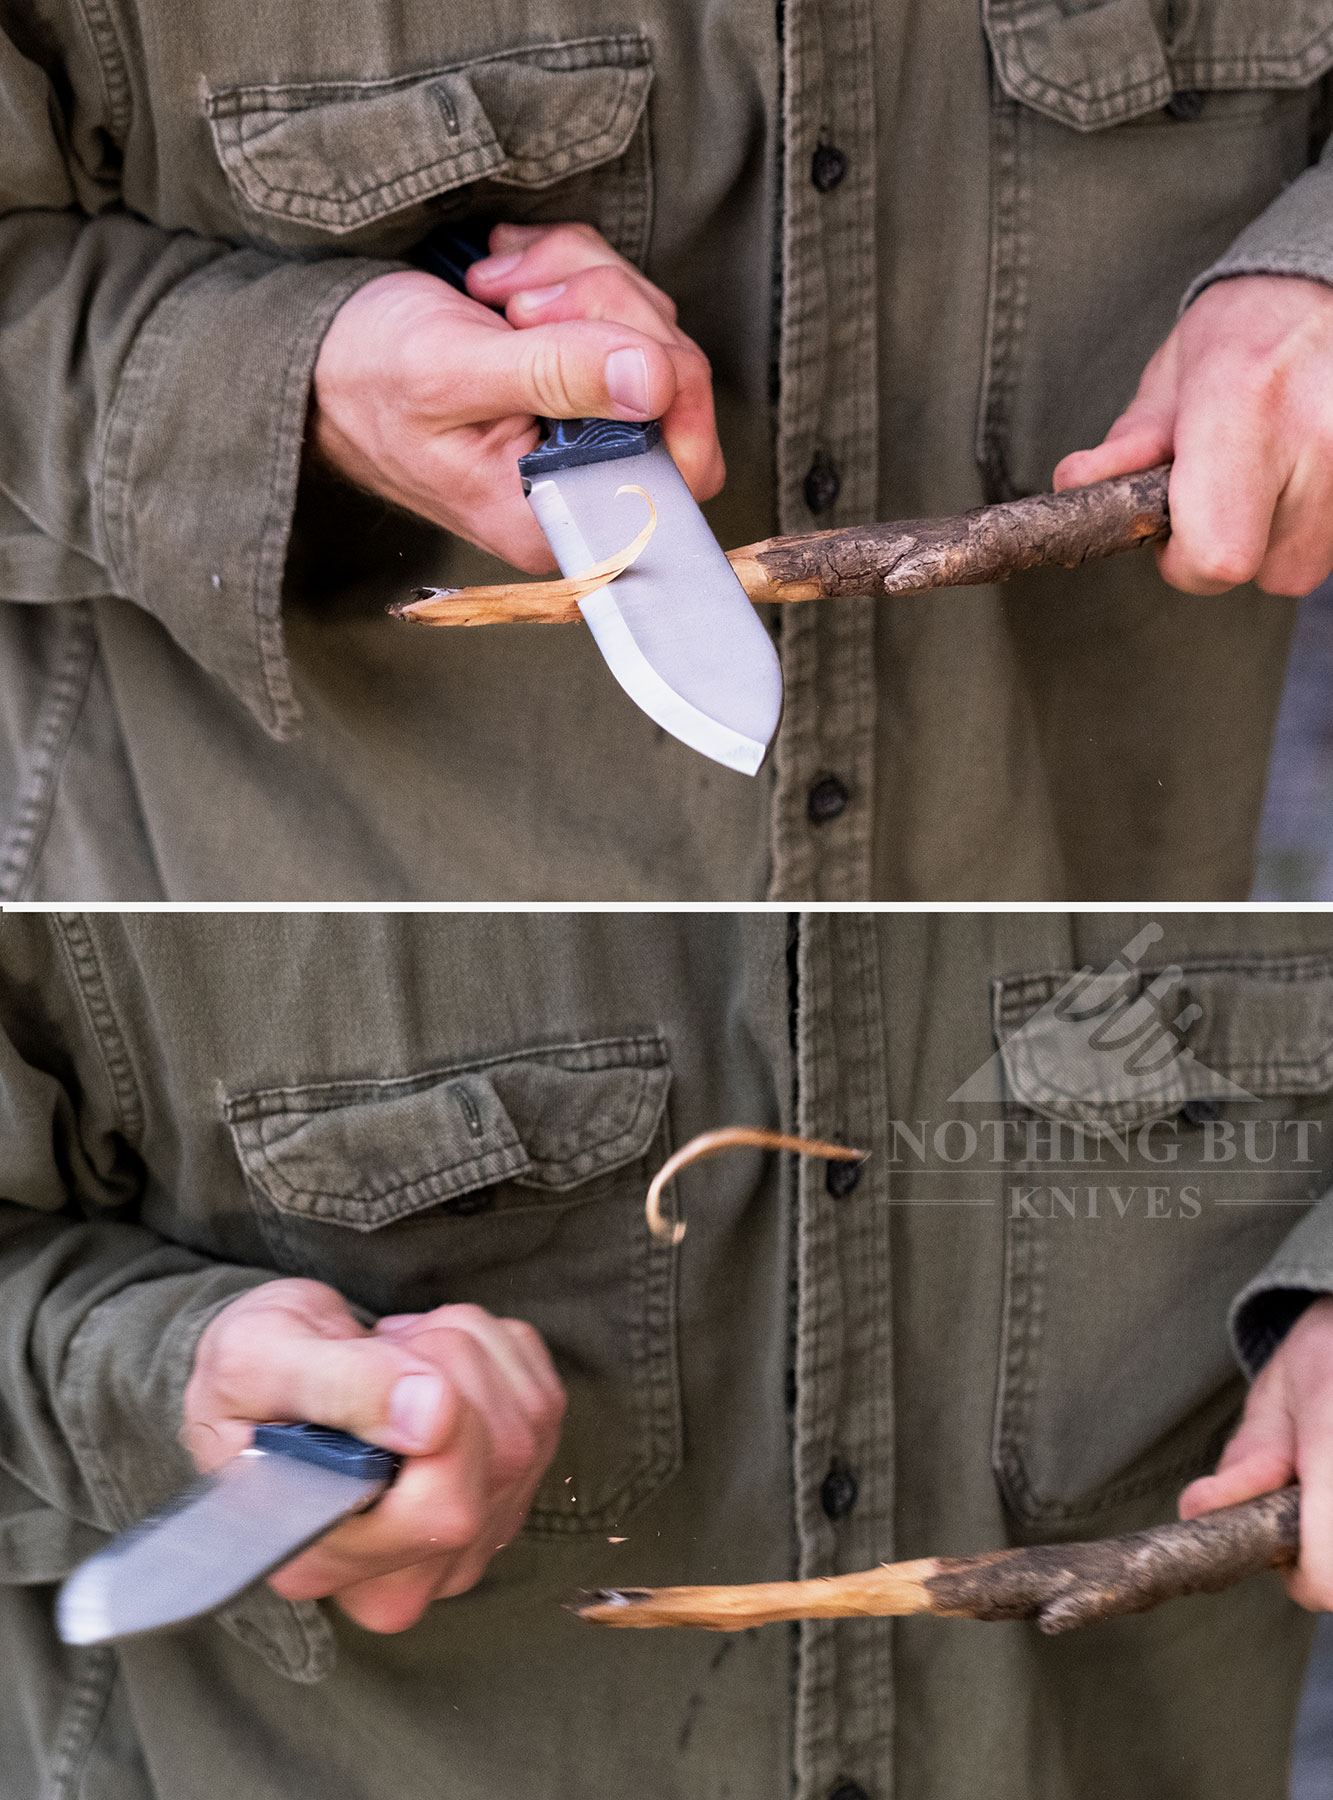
[895, 1589]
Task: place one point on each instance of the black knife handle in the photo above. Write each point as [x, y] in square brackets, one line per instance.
[328, 1448]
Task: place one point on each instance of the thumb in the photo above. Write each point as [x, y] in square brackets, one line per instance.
[1261, 1457]
[371, 1386]
[579, 368]
[1141, 437]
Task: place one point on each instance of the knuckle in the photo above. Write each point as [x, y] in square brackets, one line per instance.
[551, 376]
[1224, 565]
[457, 1522]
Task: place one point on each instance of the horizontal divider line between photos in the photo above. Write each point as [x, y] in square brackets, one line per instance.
[1120, 909]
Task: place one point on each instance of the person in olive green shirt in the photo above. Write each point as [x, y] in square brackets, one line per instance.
[927, 247]
[305, 1164]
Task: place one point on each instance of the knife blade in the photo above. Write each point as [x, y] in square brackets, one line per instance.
[676, 629]
[224, 1533]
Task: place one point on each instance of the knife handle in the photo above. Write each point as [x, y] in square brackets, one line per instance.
[328, 1448]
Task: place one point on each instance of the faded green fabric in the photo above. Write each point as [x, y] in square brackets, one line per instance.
[1021, 1340]
[200, 694]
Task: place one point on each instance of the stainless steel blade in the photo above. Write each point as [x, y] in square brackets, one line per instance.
[677, 629]
[224, 1533]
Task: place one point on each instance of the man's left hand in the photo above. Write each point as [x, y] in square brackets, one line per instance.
[1240, 399]
[1286, 1434]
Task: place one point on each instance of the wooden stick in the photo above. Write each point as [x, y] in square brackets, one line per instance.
[714, 1143]
[1058, 1585]
[907, 556]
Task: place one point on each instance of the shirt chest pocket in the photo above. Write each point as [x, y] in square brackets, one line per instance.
[546, 132]
[1166, 1130]
[516, 1184]
[1133, 140]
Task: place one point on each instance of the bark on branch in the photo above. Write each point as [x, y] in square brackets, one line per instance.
[907, 556]
[1058, 1585]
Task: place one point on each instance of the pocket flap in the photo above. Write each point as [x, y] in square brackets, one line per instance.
[340, 155]
[362, 1154]
[1089, 65]
[1111, 1050]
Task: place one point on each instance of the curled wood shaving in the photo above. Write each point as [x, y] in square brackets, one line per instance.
[547, 601]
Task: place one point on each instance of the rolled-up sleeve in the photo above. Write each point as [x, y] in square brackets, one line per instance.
[99, 1315]
[153, 396]
[1293, 236]
[1300, 1271]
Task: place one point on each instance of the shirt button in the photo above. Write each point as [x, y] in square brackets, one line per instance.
[849, 1790]
[1186, 105]
[1201, 1112]
[821, 486]
[463, 1206]
[826, 800]
[841, 1177]
[828, 165]
[838, 1490]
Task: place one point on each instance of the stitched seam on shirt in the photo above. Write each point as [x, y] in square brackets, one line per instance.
[91, 987]
[646, 1051]
[57, 718]
[84, 1709]
[111, 63]
[238, 99]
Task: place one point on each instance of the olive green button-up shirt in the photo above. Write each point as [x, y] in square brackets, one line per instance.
[1090, 1139]
[200, 694]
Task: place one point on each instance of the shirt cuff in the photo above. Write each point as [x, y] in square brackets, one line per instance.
[1294, 236]
[201, 458]
[1268, 1306]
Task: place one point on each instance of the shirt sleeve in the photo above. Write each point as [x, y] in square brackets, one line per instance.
[153, 395]
[1300, 1271]
[99, 1315]
[1293, 236]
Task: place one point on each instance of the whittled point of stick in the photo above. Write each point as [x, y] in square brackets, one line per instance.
[907, 556]
[1058, 1585]
[990, 543]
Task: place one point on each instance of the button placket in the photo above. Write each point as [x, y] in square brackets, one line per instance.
[827, 440]
[843, 1427]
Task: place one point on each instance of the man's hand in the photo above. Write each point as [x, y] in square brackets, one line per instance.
[1286, 1434]
[427, 397]
[1241, 397]
[472, 1403]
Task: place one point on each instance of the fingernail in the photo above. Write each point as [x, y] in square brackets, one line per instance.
[627, 380]
[495, 268]
[531, 298]
[414, 1406]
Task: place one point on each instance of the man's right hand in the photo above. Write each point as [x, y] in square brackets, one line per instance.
[428, 397]
[471, 1402]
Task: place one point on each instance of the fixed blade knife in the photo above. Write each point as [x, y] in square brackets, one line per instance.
[676, 628]
[224, 1533]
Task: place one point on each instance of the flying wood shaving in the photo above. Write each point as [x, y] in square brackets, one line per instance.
[545, 602]
[715, 1143]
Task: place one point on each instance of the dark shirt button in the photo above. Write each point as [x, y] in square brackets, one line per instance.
[827, 800]
[838, 1490]
[828, 165]
[1185, 105]
[1200, 1112]
[821, 485]
[841, 1177]
[849, 1790]
[462, 1206]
